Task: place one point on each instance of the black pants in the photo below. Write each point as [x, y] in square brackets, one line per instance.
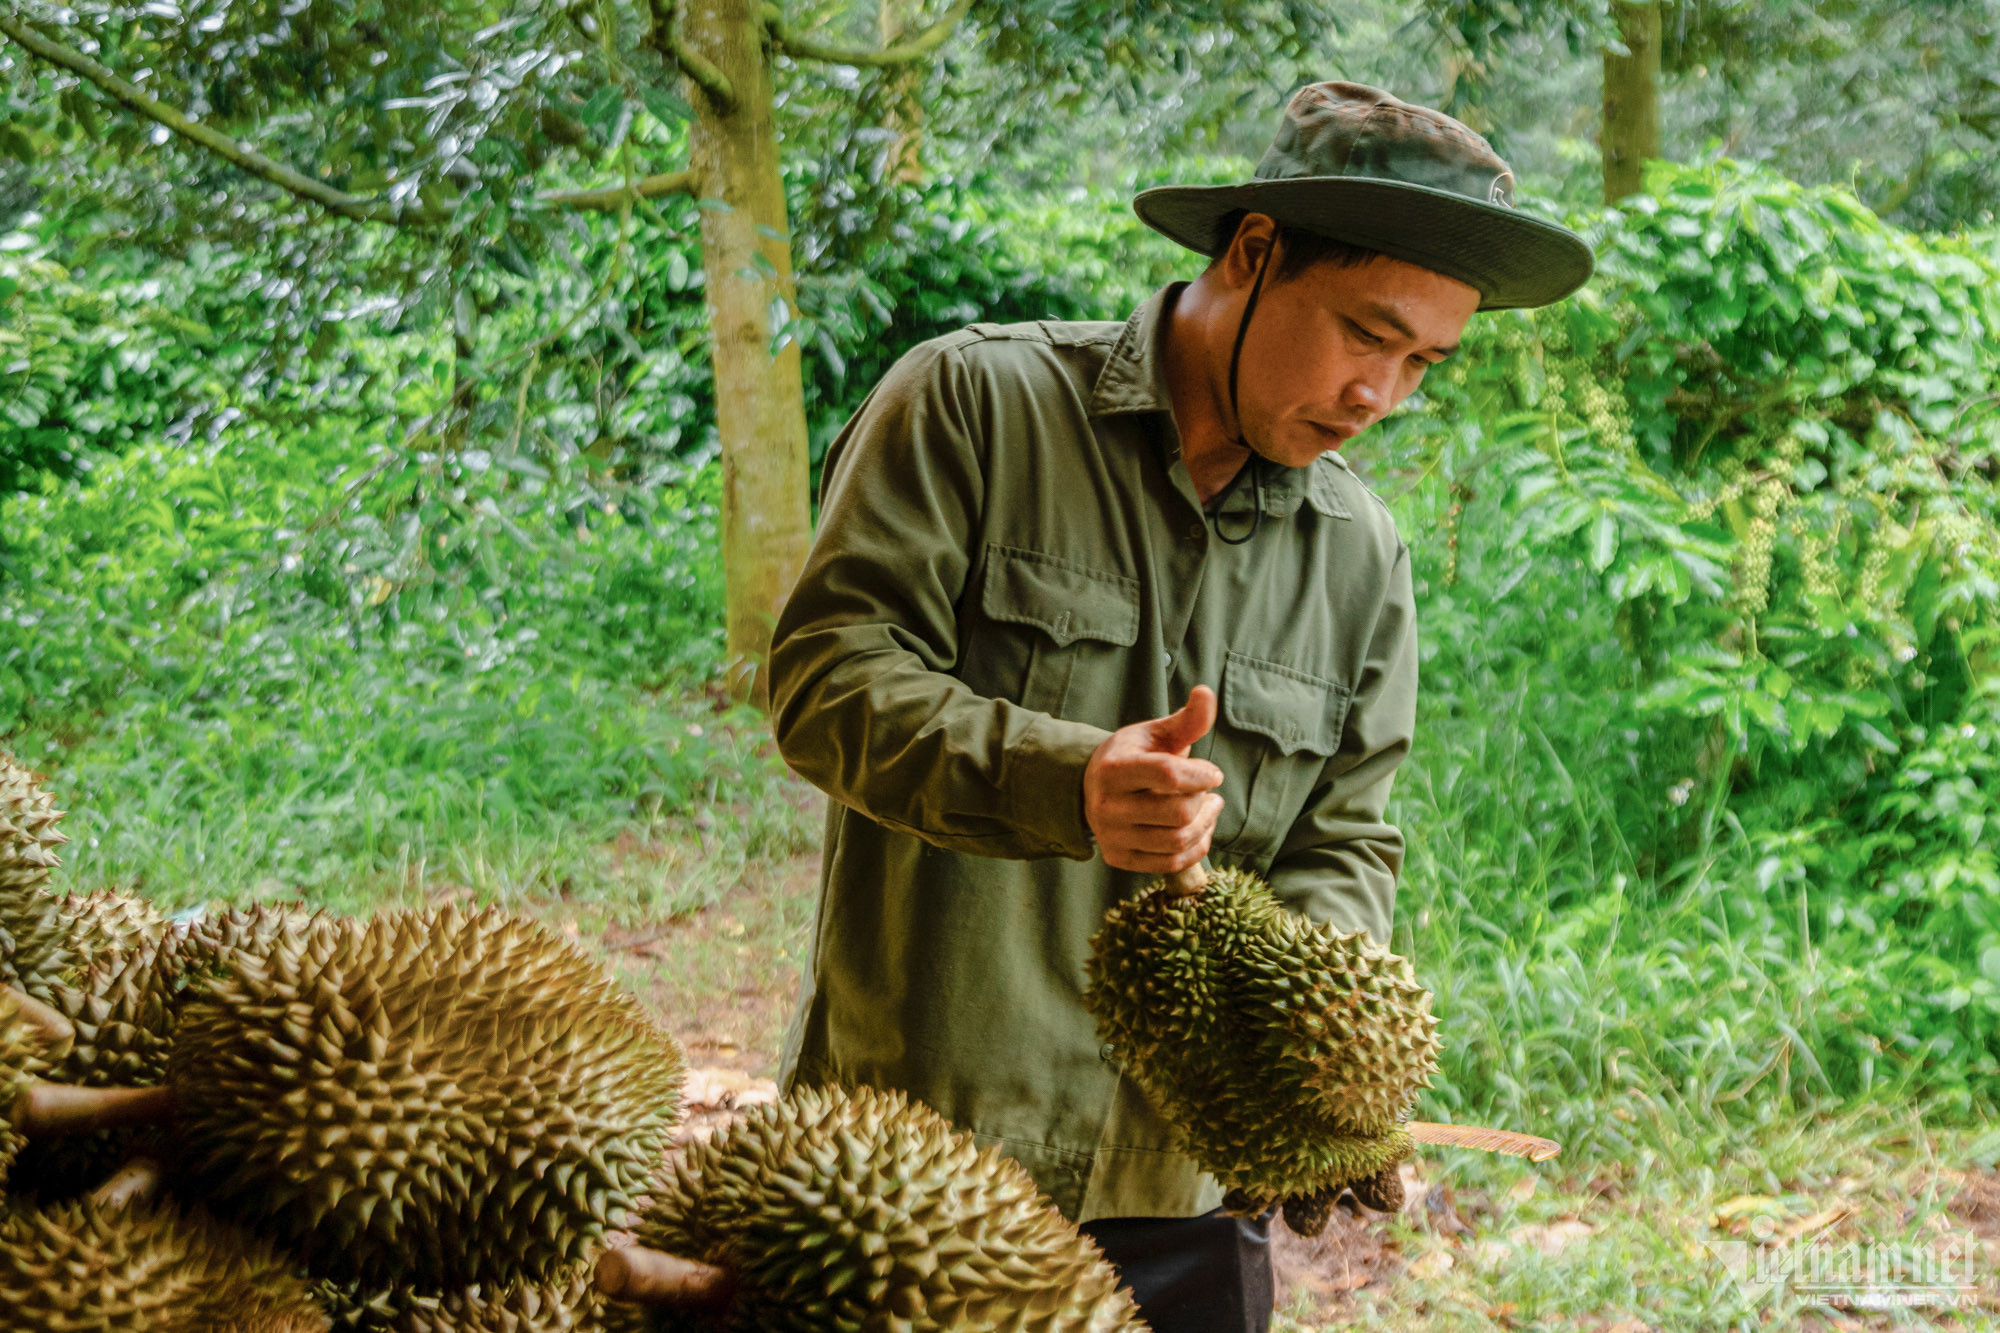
[1206, 1274]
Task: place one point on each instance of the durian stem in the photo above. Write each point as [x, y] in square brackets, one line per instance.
[136, 1182]
[647, 1277]
[58, 1029]
[1186, 883]
[56, 1108]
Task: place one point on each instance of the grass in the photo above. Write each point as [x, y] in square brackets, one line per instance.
[1610, 1244]
[357, 808]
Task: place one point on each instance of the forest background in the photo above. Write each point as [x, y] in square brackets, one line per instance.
[373, 527]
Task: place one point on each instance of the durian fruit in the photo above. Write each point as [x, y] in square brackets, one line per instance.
[23, 1048]
[567, 1304]
[107, 922]
[33, 940]
[123, 1001]
[428, 1099]
[832, 1209]
[211, 944]
[1286, 1053]
[144, 1266]
[121, 1008]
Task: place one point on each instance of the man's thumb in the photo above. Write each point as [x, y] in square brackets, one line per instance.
[1177, 731]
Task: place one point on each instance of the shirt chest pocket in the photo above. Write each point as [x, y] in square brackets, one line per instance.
[1278, 727]
[1056, 636]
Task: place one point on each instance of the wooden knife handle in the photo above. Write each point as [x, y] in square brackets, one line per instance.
[1531, 1146]
[57, 1108]
[647, 1277]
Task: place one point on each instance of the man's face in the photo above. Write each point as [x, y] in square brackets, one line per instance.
[1333, 350]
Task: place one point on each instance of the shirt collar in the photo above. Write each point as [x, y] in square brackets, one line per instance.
[1134, 376]
[1134, 379]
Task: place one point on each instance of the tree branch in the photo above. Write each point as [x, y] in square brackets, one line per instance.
[666, 39]
[357, 207]
[615, 196]
[247, 159]
[802, 47]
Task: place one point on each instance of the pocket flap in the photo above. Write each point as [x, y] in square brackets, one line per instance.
[1062, 599]
[1298, 710]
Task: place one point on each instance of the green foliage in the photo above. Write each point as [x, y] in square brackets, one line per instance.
[948, 258]
[305, 661]
[613, 369]
[1743, 493]
[1897, 102]
[64, 348]
[287, 646]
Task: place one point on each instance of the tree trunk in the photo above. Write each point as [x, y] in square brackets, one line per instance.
[759, 397]
[905, 94]
[1631, 98]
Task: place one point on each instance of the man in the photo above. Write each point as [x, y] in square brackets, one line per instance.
[1035, 541]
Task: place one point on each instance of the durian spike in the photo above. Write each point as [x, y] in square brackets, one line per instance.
[1485, 1140]
[57, 1108]
[59, 1030]
[138, 1181]
[1186, 883]
[641, 1276]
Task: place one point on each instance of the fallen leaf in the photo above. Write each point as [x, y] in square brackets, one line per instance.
[1812, 1224]
[1431, 1263]
[1553, 1238]
[1742, 1204]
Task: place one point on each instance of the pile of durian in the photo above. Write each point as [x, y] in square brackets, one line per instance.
[433, 1121]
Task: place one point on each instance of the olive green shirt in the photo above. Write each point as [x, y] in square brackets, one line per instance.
[1011, 562]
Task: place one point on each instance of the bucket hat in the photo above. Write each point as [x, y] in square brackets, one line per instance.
[1360, 165]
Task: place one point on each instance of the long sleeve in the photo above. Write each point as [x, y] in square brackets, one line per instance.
[1340, 861]
[863, 700]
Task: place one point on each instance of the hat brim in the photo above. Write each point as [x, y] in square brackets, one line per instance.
[1513, 259]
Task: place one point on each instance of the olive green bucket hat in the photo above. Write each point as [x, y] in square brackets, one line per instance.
[1359, 165]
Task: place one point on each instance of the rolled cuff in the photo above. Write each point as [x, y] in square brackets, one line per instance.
[1045, 785]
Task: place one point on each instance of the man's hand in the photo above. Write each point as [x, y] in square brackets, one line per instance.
[1152, 808]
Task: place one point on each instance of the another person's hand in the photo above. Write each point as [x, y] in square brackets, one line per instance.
[1152, 808]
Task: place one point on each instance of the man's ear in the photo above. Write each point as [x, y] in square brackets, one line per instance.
[1255, 235]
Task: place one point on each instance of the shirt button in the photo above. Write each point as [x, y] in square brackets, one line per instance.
[1195, 531]
[1106, 1053]
[1166, 659]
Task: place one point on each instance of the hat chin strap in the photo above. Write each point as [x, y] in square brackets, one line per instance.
[1239, 439]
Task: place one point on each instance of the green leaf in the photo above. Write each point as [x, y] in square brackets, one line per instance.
[603, 107]
[1603, 541]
